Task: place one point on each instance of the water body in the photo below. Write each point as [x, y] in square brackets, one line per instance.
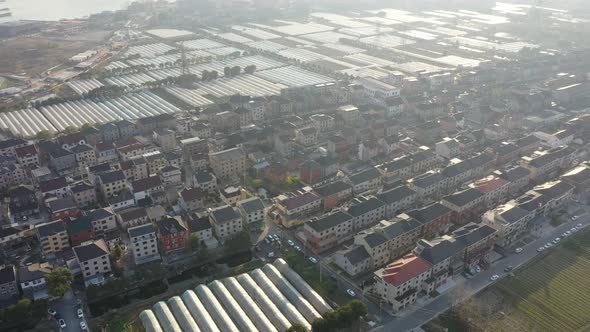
[53, 10]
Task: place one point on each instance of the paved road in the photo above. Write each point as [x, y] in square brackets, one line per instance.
[470, 287]
[66, 307]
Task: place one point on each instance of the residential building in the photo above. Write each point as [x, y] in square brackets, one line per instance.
[111, 183]
[251, 210]
[354, 261]
[466, 205]
[578, 177]
[8, 284]
[106, 152]
[447, 148]
[191, 199]
[23, 202]
[121, 201]
[327, 231]
[132, 217]
[295, 205]
[83, 194]
[170, 176]
[366, 180]
[80, 230]
[94, 262]
[32, 280]
[518, 178]
[57, 187]
[53, 238]
[434, 218]
[430, 184]
[205, 181]
[322, 122]
[306, 136]
[559, 138]
[200, 227]
[399, 284]
[63, 208]
[27, 156]
[102, 220]
[165, 139]
[510, 221]
[194, 145]
[172, 234]
[397, 199]
[61, 159]
[142, 188]
[226, 222]
[84, 154]
[494, 189]
[8, 147]
[543, 163]
[334, 193]
[366, 212]
[228, 164]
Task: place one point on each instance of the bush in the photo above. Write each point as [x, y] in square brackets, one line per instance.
[341, 318]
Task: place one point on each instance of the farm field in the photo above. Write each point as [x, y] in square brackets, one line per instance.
[549, 294]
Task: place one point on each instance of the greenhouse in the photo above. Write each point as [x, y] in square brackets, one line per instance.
[269, 299]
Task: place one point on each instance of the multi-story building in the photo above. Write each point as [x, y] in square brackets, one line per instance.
[447, 148]
[543, 163]
[8, 283]
[32, 280]
[322, 122]
[80, 230]
[61, 159]
[510, 221]
[251, 210]
[397, 199]
[132, 217]
[399, 284]
[228, 164]
[334, 193]
[111, 183]
[63, 208]
[366, 212]
[170, 176]
[291, 207]
[434, 218]
[102, 220]
[94, 262]
[84, 154]
[23, 202]
[200, 227]
[12, 175]
[466, 205]
[327, 231]
[205, 181]
[579, 177]
[194, 145]
[57, 187]
[27, 156]
[53, 237]
[306, 136]
[518, 178]
[144, 187]
[165, 139]
[172, 234]
[226, 222]
[493, 188]
[83, 194]
[191, 199]
[430, 184]
[367, 180]
[8, 147]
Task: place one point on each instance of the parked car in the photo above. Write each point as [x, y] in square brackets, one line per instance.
[62, 323]
[556, 240]
[494, 277]
[351, 292]
[80, 313]
[267, 240]
[540, 249]
[573, 230]
[276, 237]
[83, 326]
[51, 312]
[508, 268]
[291, 243]
[271, 254]
[579, 226]
[313, 259]
[297, 248]
[574, 217]
[477, 269]
[518, 250]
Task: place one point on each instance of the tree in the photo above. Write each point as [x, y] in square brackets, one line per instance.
[250, 69]
[320, 325]
[205, 75]
[235, 70]
[195, 242]
[214, 75]
[238, 243]
[116, 253]
[44, 135]
[297, 328]
[226, 71]
[58, 281]
[359, 308]
[70, 130]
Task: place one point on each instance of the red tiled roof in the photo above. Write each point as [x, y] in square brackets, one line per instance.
[26, 150]
[405, 269]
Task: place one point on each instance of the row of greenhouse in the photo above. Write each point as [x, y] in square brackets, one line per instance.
[270, 299]
[54, 118]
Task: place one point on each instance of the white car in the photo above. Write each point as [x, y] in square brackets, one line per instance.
[351, 292]
[62, 323]
[556, 240]
[494, 277]
[574, 217]
[271, 254]
[548, 245]
[573, 230]
[313, 260]
[579, 226]
[80, 313]
[540, 249]
[297, 248]
[51, 312]
[518, 250]
[291, 243]
[477, 269]
[83, 326]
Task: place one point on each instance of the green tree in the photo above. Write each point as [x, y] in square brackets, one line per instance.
[250, 69]
[44, 135]
[297, 328]
[58, 281]
[320, 325]
[236, 70]
[227, 71]
[238, 243]
[359, 308]
[70, 130]
[116, 253]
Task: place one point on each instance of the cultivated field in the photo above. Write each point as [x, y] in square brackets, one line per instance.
[550, 294]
